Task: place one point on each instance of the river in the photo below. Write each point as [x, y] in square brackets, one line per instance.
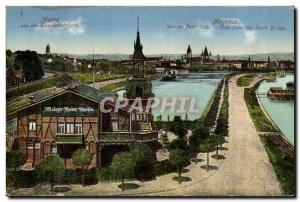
[199, 86]
[281, 112]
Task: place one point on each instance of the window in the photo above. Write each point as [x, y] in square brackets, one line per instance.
[37, 145]
[53, 148]
[115, 125]
[70, 128]
[29, 145]
[60, 128]
[78, 128]
[133, 117]
[32, 125]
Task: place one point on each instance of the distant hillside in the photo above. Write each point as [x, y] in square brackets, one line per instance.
[259, 57]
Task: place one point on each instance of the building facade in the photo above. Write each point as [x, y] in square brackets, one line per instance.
[62, 123]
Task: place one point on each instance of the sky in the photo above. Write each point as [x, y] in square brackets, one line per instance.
[163, 30]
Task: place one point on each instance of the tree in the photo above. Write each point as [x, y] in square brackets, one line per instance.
[206, 147]
[14, 159]
[143, 157]
[123, 166]
[50, 167]
[217, 140]
[178, 144]
[177, 127]
[164, 138]
[82, 158]
[30, 63]
[180, 159]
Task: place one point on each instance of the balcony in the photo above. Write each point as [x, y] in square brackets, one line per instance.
[126, 137]
[63, 138]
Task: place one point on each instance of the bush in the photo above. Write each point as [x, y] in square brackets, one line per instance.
[178, 144]
[90, 176]
[104, 174]
[164, 167]
[69, 177]
[22, 179]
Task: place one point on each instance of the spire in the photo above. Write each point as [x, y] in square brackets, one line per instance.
[138, 47]
[138, 23]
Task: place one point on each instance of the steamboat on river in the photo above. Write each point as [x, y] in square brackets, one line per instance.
[278, 93]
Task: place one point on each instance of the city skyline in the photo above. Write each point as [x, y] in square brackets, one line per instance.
[164, 30]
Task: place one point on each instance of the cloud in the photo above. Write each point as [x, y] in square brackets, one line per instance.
[250, 35]
[204, 28]
[55, 26]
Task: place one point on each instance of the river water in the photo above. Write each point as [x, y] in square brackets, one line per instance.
[281, 112]
[197, 86]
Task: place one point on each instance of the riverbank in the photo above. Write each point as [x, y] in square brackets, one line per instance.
[283, 163]
[261, 121]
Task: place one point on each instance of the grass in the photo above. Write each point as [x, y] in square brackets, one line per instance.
[87, 77]
[245, 80]
[261, 122]
[282, 164]
[111, 87]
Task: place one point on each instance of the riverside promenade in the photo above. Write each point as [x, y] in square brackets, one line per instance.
[245, 170]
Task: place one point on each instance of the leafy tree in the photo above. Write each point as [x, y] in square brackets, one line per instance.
[179, 144]
[51, 167]
[9, 59]
[180, 159]
[217, 140]
[165, 139]
[30, 63]
[177, 127]
[206, 147]
[14, 159]
[123, 165]
[82, 158]
[143, 157]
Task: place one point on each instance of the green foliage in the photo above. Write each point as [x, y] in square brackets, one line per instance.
[143, 158]
[245, 80]
[58, 81]
[178, 144]
[21, 179]
[222, 122]
[30, 64]
[51, 167]
[283, 165]
[180, 159]
[177, 127]
[200, 133]
[14, 159]
[51, 164]
[217, 139]
[164, 167]
[111, 87]
[87, 77]
[259, 118]
[81, 157]
[165, 140]
[206, 146]
[123, 165]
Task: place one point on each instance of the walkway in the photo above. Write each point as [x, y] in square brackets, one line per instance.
[245, 171]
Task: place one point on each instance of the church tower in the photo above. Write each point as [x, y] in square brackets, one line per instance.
[139, 87]
[189, 55]
[47, 50]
